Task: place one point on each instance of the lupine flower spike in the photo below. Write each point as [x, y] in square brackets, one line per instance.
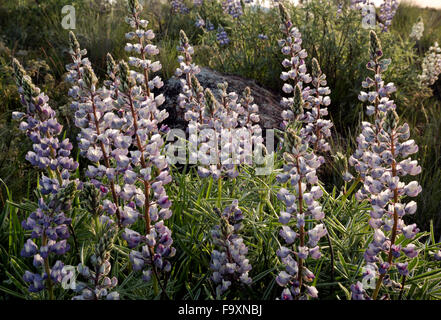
[140, 107]
[295, 63]
[48, 223]
[417, 30]
[431, 66]
[228, 261]
[100, 139]
[98, 284]
[381, 158]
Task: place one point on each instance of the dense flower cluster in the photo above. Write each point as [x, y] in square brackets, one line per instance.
[295, 63]
[431, 66]
[41, 126]
[233, 8]
[144, 162]
[388, 8]
[98, 284]
[99, 140]
[381, 159]
[223, 132]
[178, 6]
[48, 223]
[301, 204]
[228, 261]
[317, 129]
[302, 191]
[417, 30]
[222, 36]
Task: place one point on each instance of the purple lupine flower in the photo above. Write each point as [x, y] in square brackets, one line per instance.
[228, 261]
[98, 285]
[99, 138]
[382, 157]
[178, 6]
[300, 205]
[222, 131]
[302, 193]
[317, 128]
[296, 73]
[233, 8]
[222, 36]
[48, 222]
[417, 30]
[210, 26]
[262, 36]
[200, 23]
[141, 109]
[431, 66]
[388, 8]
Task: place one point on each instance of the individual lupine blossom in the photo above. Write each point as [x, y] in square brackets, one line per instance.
[140, 106]
[200, 23]
[431, 66]
[300, 197]
[178, 6]
[233, 8]
[339, 9]
[228, 261]
[198, 3]
[317, 129]
[417, 30]
[98, 284]
[262, 36]
[382, 157]
[295, 63]
[222, 36]
[100, 140]
[388, 8]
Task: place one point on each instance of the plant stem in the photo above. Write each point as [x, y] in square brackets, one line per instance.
[47, 270]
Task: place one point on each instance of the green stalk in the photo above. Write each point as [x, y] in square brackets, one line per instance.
[210, 185]
[219, 192]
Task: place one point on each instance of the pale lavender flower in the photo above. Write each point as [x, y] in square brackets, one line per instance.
[233, 8]
[228, 261]
[141, 108]
[381, 159]
[296, 73]
[388, 8]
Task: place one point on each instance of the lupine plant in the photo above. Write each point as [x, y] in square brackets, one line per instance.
[146, 164]
[300, 166]
[431, 65]
[381, 159]
[417, 30]
[49, 223]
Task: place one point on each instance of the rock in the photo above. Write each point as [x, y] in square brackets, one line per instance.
[268, 102]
